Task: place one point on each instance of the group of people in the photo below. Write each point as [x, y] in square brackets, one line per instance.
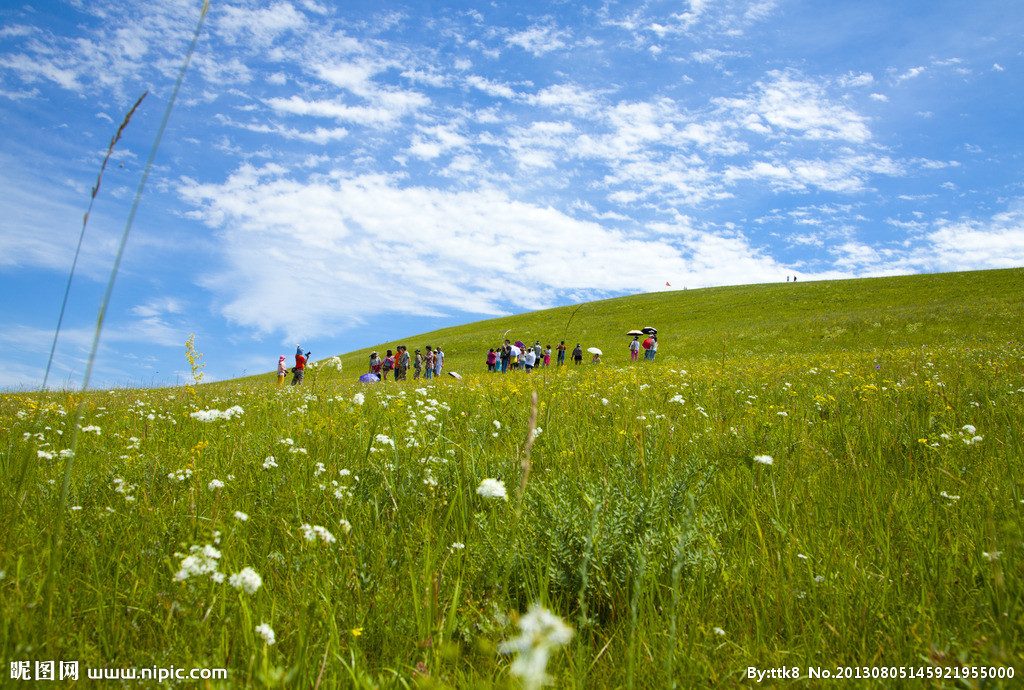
[650, 348]
[428, 363]
[298, 371]
[507, 357]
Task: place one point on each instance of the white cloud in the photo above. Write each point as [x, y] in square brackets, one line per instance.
[257, 27]
[911, 73]
[538, 40]
[333, 251]
[853, 80]
[791, 103]
[491, 88]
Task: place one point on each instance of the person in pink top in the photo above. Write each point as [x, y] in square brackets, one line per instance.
[282, 371]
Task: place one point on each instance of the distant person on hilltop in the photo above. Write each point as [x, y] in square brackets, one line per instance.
[300, 367]
[529, 359]
[506, 356]
[282, 370]
[429, 362]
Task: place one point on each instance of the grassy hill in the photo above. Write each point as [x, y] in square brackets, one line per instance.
[817, 476]
[739, 321]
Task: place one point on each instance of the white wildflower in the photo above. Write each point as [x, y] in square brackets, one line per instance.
[267, 633]
[992, 556]
[202, 560]
[541, 633]
[269, 462]
[764, 459]
[215, 484]
[314, 532]
[359, 398]
[241, 517]
[492, 488]
[247, 580]
[718, 631]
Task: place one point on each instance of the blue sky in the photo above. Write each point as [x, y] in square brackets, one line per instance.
[342, 174]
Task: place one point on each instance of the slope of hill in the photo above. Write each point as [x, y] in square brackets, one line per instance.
[860, 314]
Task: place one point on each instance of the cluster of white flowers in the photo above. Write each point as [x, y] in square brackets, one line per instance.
[247, 580]
[267, 633]
[180, 475]
[125, 489]
[969, 435]
[541, 633]
[314, 532]
[214, 415]
[269, 462]
[202, 560]
[383, 440]
[359, 398]
[94, 429]
[241, 517]
[492, 488]
[215, 484]
[763, 459]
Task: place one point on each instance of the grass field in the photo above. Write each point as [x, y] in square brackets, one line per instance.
[819, 475]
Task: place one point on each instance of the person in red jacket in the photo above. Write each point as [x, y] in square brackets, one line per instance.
[300, 368]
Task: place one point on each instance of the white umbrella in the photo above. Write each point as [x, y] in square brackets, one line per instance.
[455, 374]
[515, 351]
[594, 351]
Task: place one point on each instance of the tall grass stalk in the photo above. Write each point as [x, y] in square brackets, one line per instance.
[56, 544]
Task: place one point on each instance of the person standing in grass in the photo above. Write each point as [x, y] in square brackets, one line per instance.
[492, 358]
[547, 356]
[417, 366]
[577, 354]
[387, 365]
[403, 363]
[634, 348]
[529, 359]
[429, 362]
[561, 353]
[375, 363]
[506, 356]
[300, 367]
[282, 370]
[440, 361]
[654, 347]
[538, 352]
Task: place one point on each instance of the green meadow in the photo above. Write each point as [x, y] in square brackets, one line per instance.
[815, 476]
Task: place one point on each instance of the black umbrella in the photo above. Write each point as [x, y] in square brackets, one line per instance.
[649, 330]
